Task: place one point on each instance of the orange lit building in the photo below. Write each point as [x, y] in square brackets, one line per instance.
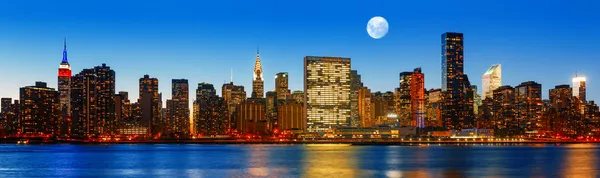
[417, 98]
[289, 115]
[40, 107]
[251, 117]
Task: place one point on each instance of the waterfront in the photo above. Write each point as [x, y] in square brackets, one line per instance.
[319, 160]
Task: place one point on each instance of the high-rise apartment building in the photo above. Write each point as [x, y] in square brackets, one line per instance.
[64, 90]
[453, 80]
[281, 86]
[491, 80]
[326, 92]
[92, 102]
[433, 111]
[257, 81]
[181, 106]
[504, 112]
[271, 109]
[39, 110]
[417, 98]
[150, 105]
[366, 107]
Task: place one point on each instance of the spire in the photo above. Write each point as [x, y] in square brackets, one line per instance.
[231, 76]
[257, 67]
[257, 50]
[64, 59]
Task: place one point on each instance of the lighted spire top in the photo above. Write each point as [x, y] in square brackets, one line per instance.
[257, 67]
[64, 59]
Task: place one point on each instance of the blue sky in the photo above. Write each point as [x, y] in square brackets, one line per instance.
[544, 41]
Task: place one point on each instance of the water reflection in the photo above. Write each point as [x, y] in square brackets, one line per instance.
[580, 161]
[332, 160]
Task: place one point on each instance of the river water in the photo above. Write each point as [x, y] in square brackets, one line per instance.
[197, 160]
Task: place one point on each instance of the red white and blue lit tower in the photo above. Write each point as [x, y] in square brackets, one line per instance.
[64, 89]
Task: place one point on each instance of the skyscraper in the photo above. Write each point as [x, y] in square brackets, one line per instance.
[257, 80]
[181, 110]
[528, 106]
[210, 111]
[452, 80]
[366, 107]
[271, 109]
[64, 90]
[504, 112]
[233, 96]
[149, 105]
[281, 85]
[326, 92]
[579, 87]
[491, 80]
[39, 110]
[92, 102]
[417, 98]
[404, 105]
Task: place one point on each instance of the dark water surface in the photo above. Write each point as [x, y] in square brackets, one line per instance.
[172, 160]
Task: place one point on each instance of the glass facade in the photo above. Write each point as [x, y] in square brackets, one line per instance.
[326, 92]
[452, 80]
[417, 100]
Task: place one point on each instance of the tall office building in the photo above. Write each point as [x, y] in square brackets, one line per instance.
[233, 95]
[257, 81]
[491, 80]
[40, 107]
[92, 102]
[417, 98]
[433, 113]
[404, 105]
[452, 80]
[150, 106]
[355, 85]
[281, 86]
[579, 87]
[504, 112]
[271, 111]
[181, 106]
[326, 92]
[210, 111]
[122, 110]
[562, 118]
[528, 106]
[64, 90]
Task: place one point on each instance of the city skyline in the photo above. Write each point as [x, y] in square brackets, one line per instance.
[159, 57]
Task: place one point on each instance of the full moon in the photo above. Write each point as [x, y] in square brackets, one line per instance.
[377, 27]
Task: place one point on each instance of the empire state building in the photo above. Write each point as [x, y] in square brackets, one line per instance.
[257, 80]
[64, 90]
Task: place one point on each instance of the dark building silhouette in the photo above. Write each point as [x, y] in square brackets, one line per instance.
[210, 112]
[180, 111]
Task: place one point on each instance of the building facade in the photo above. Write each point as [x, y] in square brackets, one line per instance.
[281, 85]
[64, 90]
[453, 80]
[491, 80]
[180, 120]
[233, 95]
[417, 98]
[39, 111]
[326, 92]
[210, 112]
[92, 102]
[528, 106]
[150, 105]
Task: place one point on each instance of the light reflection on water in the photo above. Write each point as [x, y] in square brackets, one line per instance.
[571, 160]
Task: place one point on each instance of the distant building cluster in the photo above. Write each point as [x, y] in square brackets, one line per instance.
[334, 100]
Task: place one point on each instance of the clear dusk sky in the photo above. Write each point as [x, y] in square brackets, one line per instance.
[546, 41]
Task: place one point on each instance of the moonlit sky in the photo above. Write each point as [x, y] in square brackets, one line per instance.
[544, 41]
